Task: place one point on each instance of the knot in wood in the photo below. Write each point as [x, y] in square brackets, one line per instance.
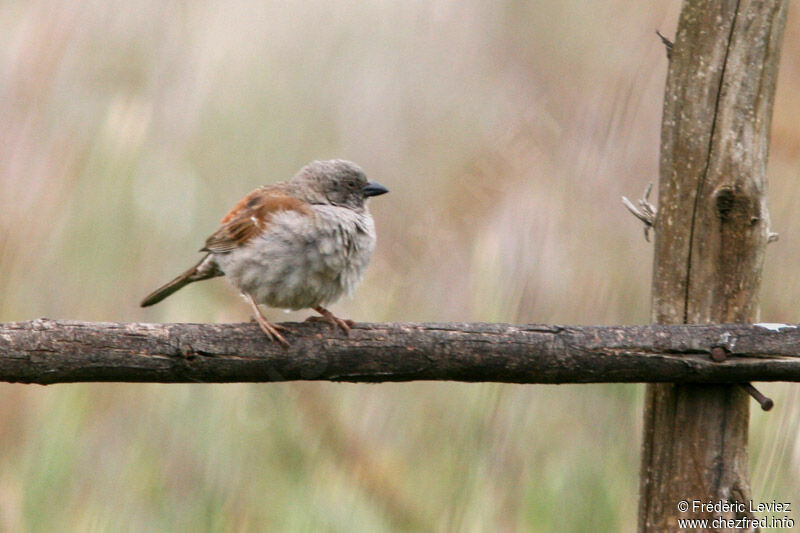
[725, 198]
[737, 206]
[719, 354]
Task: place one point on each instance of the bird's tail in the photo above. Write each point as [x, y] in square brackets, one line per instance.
[205, 269]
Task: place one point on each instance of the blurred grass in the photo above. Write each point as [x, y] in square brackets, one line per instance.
[507, 133]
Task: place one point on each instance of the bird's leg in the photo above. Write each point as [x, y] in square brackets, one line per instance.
[332, 319]
[270, 329]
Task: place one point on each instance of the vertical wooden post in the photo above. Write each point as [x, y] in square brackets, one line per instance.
[711, 233]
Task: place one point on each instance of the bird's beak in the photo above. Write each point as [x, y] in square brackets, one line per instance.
[374, 189]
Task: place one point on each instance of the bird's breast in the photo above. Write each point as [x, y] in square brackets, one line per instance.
[301, 261]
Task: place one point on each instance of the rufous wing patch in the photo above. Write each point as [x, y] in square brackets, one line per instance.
[250, 217]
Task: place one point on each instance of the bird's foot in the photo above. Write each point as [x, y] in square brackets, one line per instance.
[272, 330]
[331, 319]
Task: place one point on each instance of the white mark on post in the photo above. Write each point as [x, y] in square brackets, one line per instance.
[774, 326]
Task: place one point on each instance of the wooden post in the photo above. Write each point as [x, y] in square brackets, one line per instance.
[712, 229]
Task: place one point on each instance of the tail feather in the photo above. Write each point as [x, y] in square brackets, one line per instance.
[205, 269]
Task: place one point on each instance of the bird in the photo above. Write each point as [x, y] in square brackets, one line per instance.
[296, 244]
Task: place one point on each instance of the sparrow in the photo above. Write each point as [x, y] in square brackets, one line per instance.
[296, 244]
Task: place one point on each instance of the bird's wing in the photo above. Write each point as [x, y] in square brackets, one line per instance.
[251, 216]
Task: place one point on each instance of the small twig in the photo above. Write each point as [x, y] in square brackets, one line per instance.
[667, 44]
[765, 403]
[646, 212]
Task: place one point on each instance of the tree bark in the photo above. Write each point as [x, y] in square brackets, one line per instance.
[46, 351]
[712, 229]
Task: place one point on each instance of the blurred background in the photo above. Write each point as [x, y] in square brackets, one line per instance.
[506, 131]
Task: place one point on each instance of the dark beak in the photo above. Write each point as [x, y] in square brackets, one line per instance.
[374, 189]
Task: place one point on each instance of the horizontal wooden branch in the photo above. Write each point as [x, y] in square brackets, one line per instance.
[48, 351]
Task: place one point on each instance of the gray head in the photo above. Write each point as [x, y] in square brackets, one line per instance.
[336, 182]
